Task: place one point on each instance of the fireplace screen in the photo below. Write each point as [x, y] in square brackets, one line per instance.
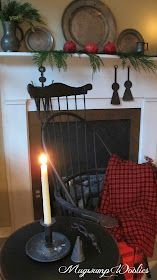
[69, 154]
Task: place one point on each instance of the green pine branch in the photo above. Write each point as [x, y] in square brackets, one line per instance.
[95, 62]
[138, 61]
[59, 59]
[19, 12]
[54, 58]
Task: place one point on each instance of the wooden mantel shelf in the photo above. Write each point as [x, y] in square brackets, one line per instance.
[27, 54]
[30, 54]
[22, 54]
[14, 54]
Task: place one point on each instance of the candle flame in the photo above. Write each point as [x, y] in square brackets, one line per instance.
[43, 159]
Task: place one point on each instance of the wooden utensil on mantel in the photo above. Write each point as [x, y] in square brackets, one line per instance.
[128, 84]
[115, 86]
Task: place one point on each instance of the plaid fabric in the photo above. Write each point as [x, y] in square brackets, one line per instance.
[130, 195]
[131, 257]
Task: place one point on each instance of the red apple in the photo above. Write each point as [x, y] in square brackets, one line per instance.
[110, 48]
[91, 48]
[69, 46]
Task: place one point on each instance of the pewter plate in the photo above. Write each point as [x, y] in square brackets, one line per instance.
[127, 40]
[39, 39]
[36, 249]
[87, 21]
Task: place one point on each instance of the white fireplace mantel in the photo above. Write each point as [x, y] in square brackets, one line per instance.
[17, 70]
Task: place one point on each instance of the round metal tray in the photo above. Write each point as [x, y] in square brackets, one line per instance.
[127, 40]
[39, 39]
[87, 21]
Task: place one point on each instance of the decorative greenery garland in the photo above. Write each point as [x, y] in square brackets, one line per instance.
[59, 59]
[138, 61]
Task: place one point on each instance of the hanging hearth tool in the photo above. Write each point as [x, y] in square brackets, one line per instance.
[115, 86]
[128, 84]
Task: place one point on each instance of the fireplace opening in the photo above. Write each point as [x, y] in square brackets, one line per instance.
[119, 128]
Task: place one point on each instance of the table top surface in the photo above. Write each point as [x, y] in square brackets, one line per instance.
[16, 265]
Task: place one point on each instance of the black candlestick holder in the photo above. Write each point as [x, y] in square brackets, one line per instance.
[47, 246]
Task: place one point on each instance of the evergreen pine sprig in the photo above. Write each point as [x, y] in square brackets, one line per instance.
[17, 12]
[40, 57]
[60, 59]
[95, 62]
[138, 61]
[54, 58]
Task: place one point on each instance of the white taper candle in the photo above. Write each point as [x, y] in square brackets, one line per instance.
[45, 190]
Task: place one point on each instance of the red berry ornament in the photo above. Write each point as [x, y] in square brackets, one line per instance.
[110, 48]
[69, 46]
[91, 48]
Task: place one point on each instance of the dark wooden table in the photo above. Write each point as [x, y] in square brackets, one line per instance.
[16, 265]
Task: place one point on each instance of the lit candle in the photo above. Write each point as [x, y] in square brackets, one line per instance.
[45, 190]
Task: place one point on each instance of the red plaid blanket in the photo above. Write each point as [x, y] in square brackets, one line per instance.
[130, 195]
